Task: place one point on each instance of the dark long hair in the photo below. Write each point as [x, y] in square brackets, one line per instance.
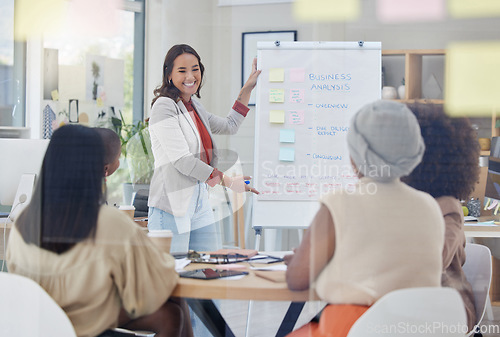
[167, 89]
[68, 193]
[450, 164]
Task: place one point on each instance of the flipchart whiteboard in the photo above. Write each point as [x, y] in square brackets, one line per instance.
[306, 94]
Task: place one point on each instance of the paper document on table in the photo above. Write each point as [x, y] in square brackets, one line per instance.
[181, 263]
[274, 267]
[482, 224]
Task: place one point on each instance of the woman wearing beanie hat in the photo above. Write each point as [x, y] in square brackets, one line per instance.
[367, 242]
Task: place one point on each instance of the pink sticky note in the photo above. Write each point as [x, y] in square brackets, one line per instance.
[392, 11]
[297, 95]
[297, 74]
[296, 117]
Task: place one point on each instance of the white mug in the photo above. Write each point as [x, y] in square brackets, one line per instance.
[389, 93]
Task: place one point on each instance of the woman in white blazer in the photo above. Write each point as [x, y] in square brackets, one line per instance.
[185, 153]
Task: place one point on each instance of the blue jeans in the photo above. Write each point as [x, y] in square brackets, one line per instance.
[205, 234]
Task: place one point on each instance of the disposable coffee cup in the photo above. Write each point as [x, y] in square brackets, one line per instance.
[128, 209]
[161, 238]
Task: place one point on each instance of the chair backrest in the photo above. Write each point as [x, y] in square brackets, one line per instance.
[429, 311]
[141, 203]
[26, 310]
[477, 269]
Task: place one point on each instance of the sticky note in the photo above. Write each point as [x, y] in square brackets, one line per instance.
[35, 17]
[297, 95]
[471, 78]
[277, 95]
[277, 116]
[473, 8]
[276, 75]
[392, 11]
[99, 102]
[297, 74]
[326, 10]
[287, 136]
[296, 117]
[55, 95]
[287, 154]
[493, 204]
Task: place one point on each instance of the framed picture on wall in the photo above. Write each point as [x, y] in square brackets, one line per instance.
[249, 50]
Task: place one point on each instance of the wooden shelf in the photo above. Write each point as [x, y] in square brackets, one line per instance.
[413, 72]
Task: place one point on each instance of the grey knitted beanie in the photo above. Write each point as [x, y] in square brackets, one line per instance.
[384, 140]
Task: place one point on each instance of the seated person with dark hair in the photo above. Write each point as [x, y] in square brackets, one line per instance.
[112, 150]
[449, 172]
[94, 261]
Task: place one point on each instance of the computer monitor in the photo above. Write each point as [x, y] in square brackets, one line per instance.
[493, 180]
[19, 158]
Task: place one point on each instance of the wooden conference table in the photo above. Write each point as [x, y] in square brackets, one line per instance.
[200, 293]
[474, 229]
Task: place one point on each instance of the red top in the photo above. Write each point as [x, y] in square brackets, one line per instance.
[206, 141]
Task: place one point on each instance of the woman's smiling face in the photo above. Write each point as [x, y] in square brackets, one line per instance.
[186, 75]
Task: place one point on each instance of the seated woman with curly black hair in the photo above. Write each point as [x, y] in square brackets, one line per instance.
[448, 172]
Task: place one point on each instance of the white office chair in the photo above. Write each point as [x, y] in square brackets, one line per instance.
[429, 311]
[477, 269]
[26, 310]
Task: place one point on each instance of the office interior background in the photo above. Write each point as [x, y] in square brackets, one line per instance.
[110, 54]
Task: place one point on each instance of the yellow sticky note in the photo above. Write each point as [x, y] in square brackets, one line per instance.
[277, 95]
[99, 102]
[471, 78]
[35, 17]
[55, 95]
[473, 8]
[277, 116]
[276, 75]
[326, 10]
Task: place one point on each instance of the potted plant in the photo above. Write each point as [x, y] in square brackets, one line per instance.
[136, 150]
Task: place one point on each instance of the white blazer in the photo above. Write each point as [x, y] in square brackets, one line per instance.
[176, 146]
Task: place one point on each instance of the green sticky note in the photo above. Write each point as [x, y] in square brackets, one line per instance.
[287, 154]
[471, 78]
[277, 95]
[287, 136]
[276, 75]
[277, 116]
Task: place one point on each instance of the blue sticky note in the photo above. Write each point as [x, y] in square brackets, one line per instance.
[287, 154]
[287, 136]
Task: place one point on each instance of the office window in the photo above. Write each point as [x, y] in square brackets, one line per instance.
[119, 58]
[12, 70]
[105, 74]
